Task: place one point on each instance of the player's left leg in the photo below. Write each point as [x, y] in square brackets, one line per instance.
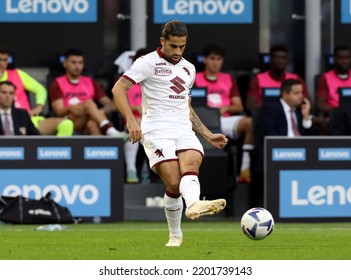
[173, 210]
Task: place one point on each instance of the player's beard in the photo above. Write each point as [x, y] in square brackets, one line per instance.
[174, 59]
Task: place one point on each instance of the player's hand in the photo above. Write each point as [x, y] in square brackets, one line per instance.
[77, 109]
[305, 108]
[36, 110]
[223, 110]
[218, 140]
[135, 133]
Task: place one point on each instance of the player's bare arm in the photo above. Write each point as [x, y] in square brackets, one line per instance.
[59, 108]
[217, 140]
[119, 92]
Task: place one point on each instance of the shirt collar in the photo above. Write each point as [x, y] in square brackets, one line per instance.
[3, 112]
[285, 105]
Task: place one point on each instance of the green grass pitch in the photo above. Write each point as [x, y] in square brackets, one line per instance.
[203, 240]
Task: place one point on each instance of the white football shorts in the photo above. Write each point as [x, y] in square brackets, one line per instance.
[162, 145]
[229, 126]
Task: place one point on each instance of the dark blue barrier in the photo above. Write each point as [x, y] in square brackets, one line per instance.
[85, 174]
[308, 178]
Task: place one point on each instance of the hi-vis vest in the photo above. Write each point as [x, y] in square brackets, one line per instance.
[21, 98]
[333, 84]
[266, 81]
[76, 93]
[218, 91]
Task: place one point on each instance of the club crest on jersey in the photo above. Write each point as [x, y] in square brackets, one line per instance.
[162, 71]
[159, 153]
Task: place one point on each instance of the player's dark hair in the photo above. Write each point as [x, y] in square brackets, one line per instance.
[278, 48]
[288, 84]
[213, 49]
[3, 49]
[341, 48]
[73, 52]
[174, 28]
[8, 83]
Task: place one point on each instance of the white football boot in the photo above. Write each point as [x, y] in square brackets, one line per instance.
[174, 241]
[204, 208]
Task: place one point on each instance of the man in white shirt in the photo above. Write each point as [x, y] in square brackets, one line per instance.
[168, 126]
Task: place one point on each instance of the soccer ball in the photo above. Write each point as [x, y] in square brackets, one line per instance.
[257, 223]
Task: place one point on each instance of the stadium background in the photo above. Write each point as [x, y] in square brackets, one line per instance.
[36, 46]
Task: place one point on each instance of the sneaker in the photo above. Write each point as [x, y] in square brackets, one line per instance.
[245, 176]
[205, 207]
[174, 241]
[132, 177]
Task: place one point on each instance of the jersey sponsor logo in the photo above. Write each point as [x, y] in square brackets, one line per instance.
[74, 94]
[177, 85]
[161, 63]
[176, 97]
[162, 71]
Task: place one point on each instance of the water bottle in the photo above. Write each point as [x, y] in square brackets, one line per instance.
[51, 227]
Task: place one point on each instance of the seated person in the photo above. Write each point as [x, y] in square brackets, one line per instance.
[290, 115]
[14, 121]
[25, 83]
[330, 82]
[74, 96]
[272, 78]
[223, 93]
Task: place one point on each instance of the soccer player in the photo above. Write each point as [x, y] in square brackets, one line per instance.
[168, 126]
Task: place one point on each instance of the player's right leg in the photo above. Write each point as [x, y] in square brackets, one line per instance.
[190, 161]
[205, 207]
